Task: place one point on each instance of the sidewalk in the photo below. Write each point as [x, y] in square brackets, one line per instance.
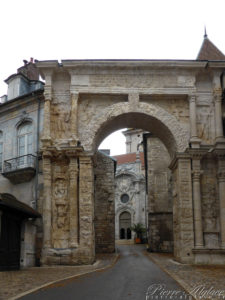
[197, 280]
[15, 284]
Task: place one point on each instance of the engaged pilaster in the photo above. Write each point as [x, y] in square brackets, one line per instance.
[47, 201]
[74, 117]
[194, 140]
[218, 115]
[47, 109]
[73, 196]
[221, 183]
[196, 175]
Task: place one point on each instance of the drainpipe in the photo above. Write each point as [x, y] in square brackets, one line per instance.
[37, 152]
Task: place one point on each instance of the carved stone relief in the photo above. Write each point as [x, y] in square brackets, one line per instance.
[60, 121]
[60, 206]
[204, 123]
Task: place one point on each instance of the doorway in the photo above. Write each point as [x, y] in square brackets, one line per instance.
[125, 226]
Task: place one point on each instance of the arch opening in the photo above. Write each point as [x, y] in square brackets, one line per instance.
[147, 117]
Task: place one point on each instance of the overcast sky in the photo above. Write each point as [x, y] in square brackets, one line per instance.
[104, 29]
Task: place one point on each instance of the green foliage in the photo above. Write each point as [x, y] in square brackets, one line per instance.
[138, 229]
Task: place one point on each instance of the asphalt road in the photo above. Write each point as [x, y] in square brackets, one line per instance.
[133, 277]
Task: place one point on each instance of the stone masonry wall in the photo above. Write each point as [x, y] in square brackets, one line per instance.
[159, 196]
[104, 204]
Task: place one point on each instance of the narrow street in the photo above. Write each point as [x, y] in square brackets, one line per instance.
[130, 278]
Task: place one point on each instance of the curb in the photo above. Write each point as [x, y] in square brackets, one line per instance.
[66, 278]
[176, 278]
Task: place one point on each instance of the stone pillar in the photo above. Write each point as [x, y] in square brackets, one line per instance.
[182, 208]
[195, 141]
[47, 120]
[47, 109]
[74, 118]
[221, 183]
[73, 199]
[86, 209]
[47, 200]
[218, 114]
[196, 174]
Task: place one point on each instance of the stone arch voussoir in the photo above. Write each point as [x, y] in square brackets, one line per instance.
[177, 142]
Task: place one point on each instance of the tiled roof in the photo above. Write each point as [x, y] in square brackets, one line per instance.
[129, 158]
[209, 51]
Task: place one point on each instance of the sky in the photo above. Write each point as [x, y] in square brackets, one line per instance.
[105, 29]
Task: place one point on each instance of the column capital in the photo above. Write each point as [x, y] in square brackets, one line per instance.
[74, 152]
[217, 91]
[196, 174]
[221, 175]
[74, 93]
[47, 154]
[192, 98]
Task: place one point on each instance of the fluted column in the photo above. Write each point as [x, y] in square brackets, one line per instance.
[196, 174]
[47, 109]
[47, 203]
[195, 141]
[47, 120]
[74, 117]
[218, 114]
[73, 196]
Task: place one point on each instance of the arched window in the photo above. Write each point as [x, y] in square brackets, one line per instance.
[1, 150]
[25, 141]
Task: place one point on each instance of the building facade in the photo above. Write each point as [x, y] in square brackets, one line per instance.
[181, 102]
[130, 188]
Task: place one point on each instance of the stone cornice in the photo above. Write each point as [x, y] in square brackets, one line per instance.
[197, 153]
[154, 92]
[22, 101]
[134, 63]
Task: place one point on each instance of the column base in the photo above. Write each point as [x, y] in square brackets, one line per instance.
[220, 142]
[68, 256]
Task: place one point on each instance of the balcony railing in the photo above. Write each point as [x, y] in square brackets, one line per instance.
[20, 169]
[20, 162]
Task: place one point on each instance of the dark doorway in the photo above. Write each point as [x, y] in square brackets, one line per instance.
[122, 234]
[10, 241]
[128, 233]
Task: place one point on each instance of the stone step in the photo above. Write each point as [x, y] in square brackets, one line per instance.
[125, 242]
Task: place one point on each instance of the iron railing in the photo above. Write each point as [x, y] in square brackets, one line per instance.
[20, 162]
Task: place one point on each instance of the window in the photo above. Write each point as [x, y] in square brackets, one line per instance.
[25, 141]
[124, 198]
[1, 150]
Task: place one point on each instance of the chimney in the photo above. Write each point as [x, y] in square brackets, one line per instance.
[29, 70]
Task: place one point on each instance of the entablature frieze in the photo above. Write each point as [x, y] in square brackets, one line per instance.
[197, 153]
[219, 153]
[55, 154]
[142, 91]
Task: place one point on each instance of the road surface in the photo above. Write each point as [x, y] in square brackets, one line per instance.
[133, 277]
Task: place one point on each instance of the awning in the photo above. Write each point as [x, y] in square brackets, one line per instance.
[10, 202]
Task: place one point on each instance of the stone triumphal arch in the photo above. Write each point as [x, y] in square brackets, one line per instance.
[179, 102]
